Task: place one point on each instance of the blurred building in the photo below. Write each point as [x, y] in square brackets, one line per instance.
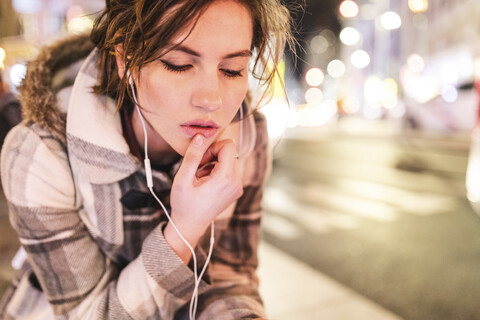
[411, 61]
[29, 24]
[8, 20]
[447, 43]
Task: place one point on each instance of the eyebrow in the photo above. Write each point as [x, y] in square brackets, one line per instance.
[241, 53]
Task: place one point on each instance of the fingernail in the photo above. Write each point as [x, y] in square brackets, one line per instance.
[198, 140]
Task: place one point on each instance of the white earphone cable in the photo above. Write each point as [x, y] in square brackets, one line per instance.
[148, 174]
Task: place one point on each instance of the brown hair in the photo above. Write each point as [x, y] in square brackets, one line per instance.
[134, 25]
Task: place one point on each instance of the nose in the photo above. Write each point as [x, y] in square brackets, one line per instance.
[207, 95]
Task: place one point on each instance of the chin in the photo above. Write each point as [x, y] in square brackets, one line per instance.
[181, 146]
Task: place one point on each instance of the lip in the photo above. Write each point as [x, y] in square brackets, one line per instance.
[206, 128]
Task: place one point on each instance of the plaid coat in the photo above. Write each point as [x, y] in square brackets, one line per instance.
[92, 233]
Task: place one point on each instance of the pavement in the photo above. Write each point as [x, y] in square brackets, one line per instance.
[293, 290]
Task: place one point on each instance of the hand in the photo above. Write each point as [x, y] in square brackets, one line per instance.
[198, 196]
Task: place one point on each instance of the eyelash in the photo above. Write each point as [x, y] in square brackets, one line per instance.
[179, 69]
[232, 73]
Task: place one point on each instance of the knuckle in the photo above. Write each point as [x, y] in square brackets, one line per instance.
[180, 186]
[239, 191]
[229, 144]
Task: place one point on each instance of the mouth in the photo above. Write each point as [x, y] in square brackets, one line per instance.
[206, 128]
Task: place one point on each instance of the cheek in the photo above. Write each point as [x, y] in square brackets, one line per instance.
[156, 88]
[161, 96]
[236, 95]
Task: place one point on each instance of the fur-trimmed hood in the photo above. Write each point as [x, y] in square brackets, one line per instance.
[54, 69]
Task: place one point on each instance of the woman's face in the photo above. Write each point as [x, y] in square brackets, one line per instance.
[198, 87]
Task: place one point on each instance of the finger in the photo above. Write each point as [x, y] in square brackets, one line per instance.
[209, 159]
[205, 169]
[215, 148]
[226, 157]
[212, 151]
[192, 158]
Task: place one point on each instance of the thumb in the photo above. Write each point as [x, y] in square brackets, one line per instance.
[193, 157]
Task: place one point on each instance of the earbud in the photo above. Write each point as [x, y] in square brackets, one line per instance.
[130, 79]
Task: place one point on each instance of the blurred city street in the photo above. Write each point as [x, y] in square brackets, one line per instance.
[383, 211]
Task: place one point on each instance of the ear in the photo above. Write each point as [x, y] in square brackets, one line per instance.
[119, 57]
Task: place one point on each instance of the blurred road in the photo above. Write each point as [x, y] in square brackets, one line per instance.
[378, 210]
[381, 211]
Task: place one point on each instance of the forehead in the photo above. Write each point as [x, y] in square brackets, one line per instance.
[223, 23]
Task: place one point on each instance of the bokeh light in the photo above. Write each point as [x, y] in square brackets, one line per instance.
[348, 9]
[476, 68]
[27, 6]
[277, 113]
[360, 59]
[415, 62]
[2, 58]
[293, 118]
[449, 73]
[319, 44]
[379, 92]
[390, 20]
[349, 36]
[424, 88]
[373, 89]
[418, 6]
[79, 25]
[17, 73]
[389, 99]
[350, 104]
[449, 93]
[314, 77]
[313, 96]
[329, 35]
[390, 84]
[336, 68]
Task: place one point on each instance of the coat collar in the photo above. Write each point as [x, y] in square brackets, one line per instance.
[96, 146]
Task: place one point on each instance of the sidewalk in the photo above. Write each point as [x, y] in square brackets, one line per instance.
[293, 290]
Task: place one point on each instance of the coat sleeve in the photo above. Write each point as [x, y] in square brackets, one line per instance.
[76, 278]
[234, 293]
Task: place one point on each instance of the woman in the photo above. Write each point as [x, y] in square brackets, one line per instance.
[92, 219]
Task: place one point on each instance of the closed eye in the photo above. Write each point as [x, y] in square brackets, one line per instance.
[175, 68]
[232, 73]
